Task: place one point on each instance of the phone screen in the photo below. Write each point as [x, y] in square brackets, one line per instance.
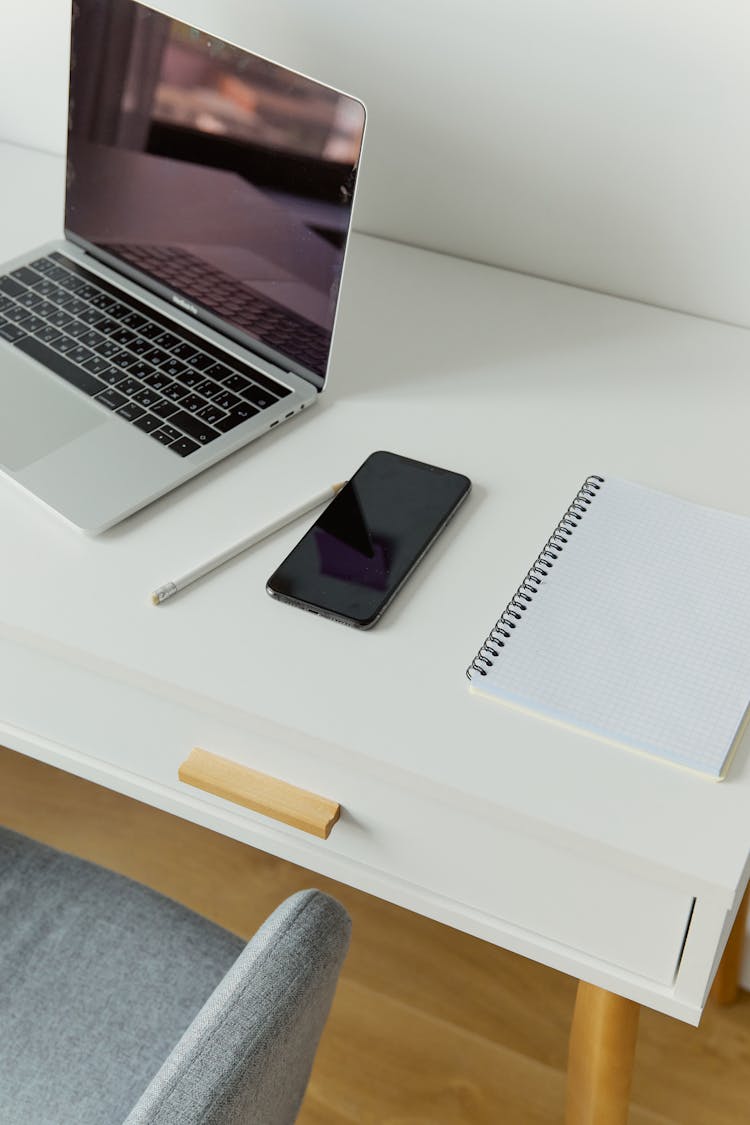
[358, 553]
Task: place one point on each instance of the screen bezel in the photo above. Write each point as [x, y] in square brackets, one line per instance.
[366, 622]
[252, 344]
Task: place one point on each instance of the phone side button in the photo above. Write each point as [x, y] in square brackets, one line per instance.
[257, 791]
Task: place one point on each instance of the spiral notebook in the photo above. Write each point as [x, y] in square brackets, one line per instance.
[632, 625]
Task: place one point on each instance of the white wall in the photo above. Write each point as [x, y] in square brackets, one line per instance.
[602, 142]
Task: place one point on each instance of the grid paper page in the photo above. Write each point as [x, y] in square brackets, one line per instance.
[641, 632]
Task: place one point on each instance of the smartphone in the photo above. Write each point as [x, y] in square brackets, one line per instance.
[356, 557]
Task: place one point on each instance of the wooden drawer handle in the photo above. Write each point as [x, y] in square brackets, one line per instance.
[259, 792]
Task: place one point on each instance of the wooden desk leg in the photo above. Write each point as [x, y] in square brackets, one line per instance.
[600, 1057]
[726, 981]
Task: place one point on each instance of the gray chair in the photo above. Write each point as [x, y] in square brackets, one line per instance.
[121, 1007]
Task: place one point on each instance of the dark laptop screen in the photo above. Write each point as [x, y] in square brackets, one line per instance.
[223, 178]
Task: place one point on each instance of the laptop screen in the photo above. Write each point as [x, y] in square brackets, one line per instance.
[220, 179]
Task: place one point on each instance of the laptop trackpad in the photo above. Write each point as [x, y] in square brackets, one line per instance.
[38, 412]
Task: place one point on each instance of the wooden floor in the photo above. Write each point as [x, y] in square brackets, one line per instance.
[429, 1026]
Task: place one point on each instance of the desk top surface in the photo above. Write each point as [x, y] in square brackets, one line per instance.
[527, 386]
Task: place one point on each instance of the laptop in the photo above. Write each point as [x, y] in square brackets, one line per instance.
[190, 306]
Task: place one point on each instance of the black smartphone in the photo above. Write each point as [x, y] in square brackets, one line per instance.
[364, 546]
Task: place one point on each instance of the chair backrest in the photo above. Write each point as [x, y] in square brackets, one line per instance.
[247, 1055]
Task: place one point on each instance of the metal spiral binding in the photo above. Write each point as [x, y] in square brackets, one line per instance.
[500, 633]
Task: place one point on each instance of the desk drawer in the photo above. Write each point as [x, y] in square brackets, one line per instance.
[419, 845]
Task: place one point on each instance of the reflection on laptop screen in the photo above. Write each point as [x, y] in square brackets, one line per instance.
[219, 175]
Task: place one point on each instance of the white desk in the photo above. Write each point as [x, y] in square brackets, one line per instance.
[617, 869]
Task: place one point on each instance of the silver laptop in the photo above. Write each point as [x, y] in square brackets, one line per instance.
[190, 306]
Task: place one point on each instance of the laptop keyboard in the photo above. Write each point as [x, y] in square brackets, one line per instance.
[180, 390]
[259, 316]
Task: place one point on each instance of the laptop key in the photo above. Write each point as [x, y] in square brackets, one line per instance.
[220, 372]
[48, 334]
[170, 431]
[185, 446]
[122, 358]
[175, 391]
[176, 369]
[11, 332]
[43, 265]
[57, 293]
[193, 403]
[79, 354]
[24, 274]
[148, 423]
[235, 382]
[11, 287]
[118, 310]
[271, 385]
[97, 366]
[162, 436]
[194, 427]
[113, 399]
[130, 386]
[60, 319]
[260, 398]
[79, 378]
[183, 350]
[43, 285]
[138, 345]
[28, 299]
[130, 411]
[140, 370]
[155, 378]
[226, 401]
[211, 414]
[65, 344]
[90, 338]
[101, 300]
[155, 356]
[207, 388]
[150, 329]
[124, 337]
[87, 291]
[67, 279]
[111, 375]
[60, 276]
[86, 313]
[17, 314]
[107, 349]
[46, 308]
[236, 417]
[133, 320]
[192, 379]
[167, 340]
[201, 361]
[146, 397]
[74, 305]
[164, 408]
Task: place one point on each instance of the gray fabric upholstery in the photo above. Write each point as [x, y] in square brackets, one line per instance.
[99, 977]
[247, 1056]
[112, 995]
